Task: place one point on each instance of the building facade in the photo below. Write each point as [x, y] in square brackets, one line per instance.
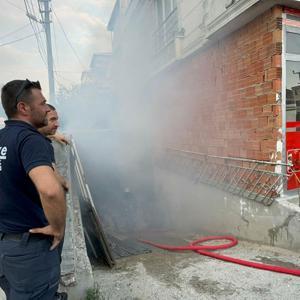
[221, 75]
[212, 86]
[210, 89]
[99, 73]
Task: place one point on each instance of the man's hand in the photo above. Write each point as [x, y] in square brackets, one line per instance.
[65, 185]
[53, 202]
[48, 230]
[60, 138]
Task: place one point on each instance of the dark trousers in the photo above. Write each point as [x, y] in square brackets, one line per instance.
[28, 269]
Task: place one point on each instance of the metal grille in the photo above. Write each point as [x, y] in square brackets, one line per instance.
[93, 230]
[251, 179]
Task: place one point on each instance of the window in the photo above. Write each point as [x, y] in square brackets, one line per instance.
[292, 95]
[168, 7]
[293, 91]
[160, 15]
[293, 71]
[166, 31]
[165, 8]
[293, 42]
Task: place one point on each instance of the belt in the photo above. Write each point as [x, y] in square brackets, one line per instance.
[19, 236]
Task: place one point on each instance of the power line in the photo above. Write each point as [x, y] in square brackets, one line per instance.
[32, 7]
[14, 5]
[44, 21]
[35, 28]
[16, 30]
[55, 45]
[61, 71]
[35, 25]
[18, 40]
[69, 42]
[41, 44]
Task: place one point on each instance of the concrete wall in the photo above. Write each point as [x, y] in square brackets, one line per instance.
[201, 210]
[76, 269]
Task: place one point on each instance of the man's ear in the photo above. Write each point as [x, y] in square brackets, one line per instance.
[23, 108]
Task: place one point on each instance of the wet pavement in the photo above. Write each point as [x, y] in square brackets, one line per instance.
[187, 275]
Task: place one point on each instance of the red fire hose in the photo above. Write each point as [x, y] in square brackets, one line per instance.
[206, 250]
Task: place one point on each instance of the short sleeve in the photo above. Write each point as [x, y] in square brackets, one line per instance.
[34, 152]
[51, 151]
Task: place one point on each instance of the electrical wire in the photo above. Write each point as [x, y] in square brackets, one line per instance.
[69, 42]
[74, 72]
[14, 5]
[12, 32]
[32, 12]
[40, 40]
[18, 40]
[35, 28]
[32, 7]
[55, 46]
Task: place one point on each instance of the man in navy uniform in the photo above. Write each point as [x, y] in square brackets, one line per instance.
[32, 201]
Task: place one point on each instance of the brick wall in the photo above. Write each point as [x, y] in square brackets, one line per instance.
[222, 101]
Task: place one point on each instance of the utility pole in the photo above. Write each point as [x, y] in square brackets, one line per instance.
[45, 12]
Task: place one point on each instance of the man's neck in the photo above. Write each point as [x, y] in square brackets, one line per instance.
[41, 131]
[21, 119]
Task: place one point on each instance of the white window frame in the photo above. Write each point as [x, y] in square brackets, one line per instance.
[163, 5]
[286, 57]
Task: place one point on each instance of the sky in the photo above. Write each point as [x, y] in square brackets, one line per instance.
[84, 23]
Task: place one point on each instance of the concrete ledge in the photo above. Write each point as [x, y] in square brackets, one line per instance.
[189, 207]
[76, 269]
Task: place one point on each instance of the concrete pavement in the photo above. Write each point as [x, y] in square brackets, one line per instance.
[169, 275]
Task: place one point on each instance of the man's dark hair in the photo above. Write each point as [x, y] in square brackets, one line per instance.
[14, 91]
[51, 107]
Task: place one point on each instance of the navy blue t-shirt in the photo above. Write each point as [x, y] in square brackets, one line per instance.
[51, 150]
[22, 148]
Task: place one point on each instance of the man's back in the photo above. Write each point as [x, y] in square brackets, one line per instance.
[32, 201]
[21, 149]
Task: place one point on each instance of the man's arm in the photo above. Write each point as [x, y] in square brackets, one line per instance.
[60, 138]
[53, 202]
[60, 178]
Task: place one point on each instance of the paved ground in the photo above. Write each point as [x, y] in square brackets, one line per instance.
[169, 275]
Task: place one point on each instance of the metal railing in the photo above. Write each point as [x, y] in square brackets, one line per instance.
[93, 230]
[252, 179]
